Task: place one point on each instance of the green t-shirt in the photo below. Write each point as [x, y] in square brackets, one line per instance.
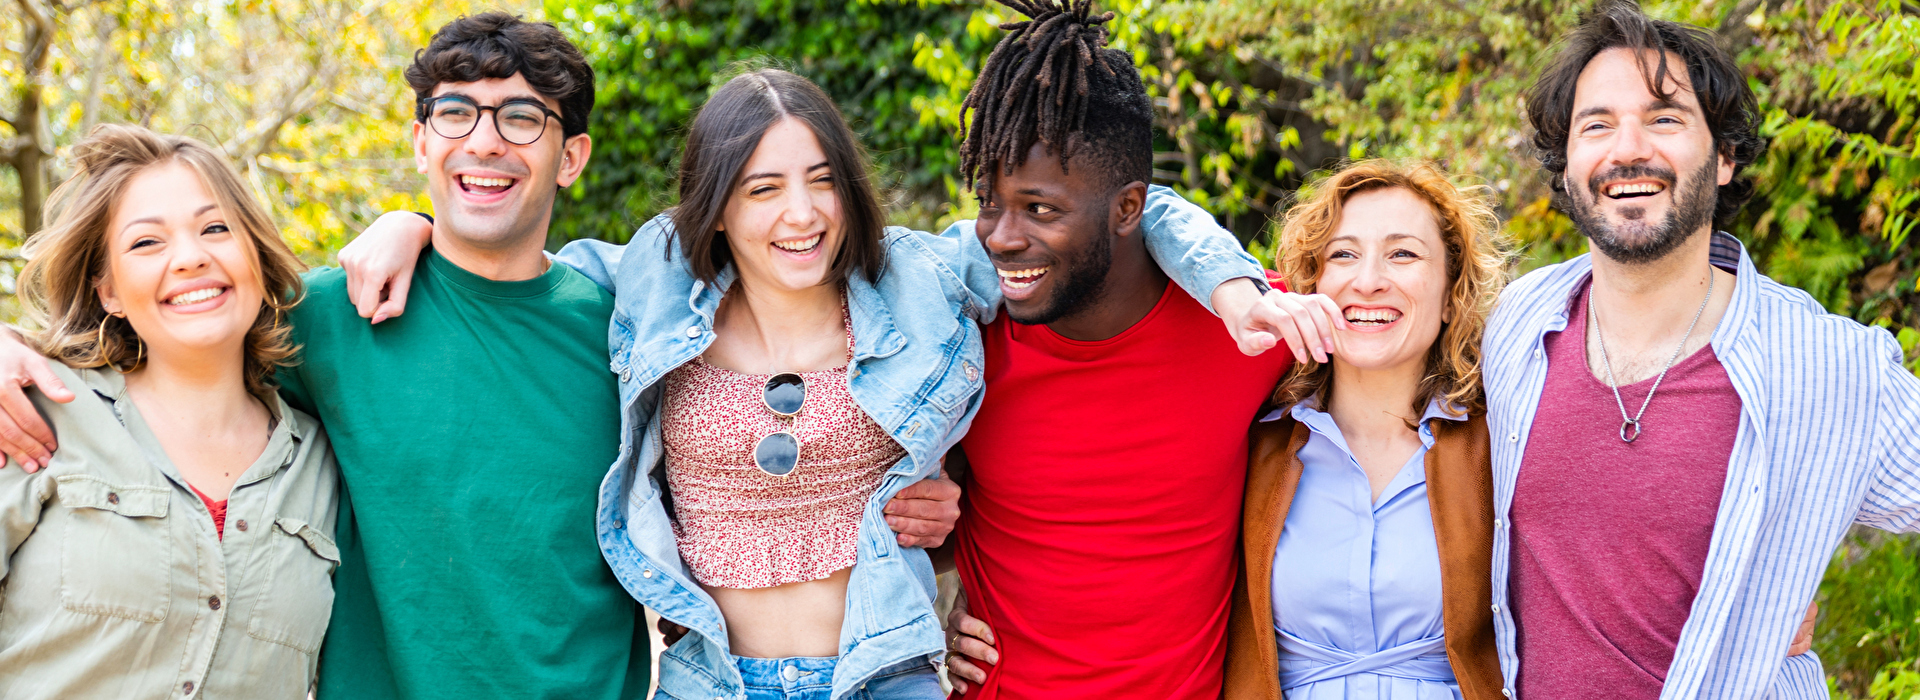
[472, 433]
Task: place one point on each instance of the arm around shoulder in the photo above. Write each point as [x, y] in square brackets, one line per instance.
[1191, 247]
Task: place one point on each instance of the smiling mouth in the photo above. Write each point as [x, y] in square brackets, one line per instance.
[196, 296]
[486, 185]
[1633, 190]
[1022, 279]
[802, 246]
[1371, 318]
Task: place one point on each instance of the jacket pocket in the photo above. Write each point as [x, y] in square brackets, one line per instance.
[960, 373]
[116, 554]
[298, 597]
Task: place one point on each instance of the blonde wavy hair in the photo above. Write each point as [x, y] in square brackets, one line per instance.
[69, 257]
[1477, 256]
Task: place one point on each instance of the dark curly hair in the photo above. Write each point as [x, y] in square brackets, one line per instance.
[498, 45]
[1051, 79]
[1732, 113]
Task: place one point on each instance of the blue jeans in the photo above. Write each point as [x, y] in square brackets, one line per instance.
[811, 678]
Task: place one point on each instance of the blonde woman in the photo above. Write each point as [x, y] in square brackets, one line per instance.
[178, 542]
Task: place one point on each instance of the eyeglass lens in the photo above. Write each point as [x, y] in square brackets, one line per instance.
[520, 123]
[777, 454]
[786, 392]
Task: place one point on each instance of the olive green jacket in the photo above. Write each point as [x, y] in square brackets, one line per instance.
[115, 585]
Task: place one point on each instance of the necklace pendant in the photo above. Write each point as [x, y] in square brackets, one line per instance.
[1629, 430]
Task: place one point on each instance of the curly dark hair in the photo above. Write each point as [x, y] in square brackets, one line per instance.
[498, 45]
[1051, 80]
[1732, 113]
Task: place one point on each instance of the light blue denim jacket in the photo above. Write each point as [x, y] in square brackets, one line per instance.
[916, 371]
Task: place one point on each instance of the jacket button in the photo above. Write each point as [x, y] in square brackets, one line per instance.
[646, 573]
[693, 331]
[626, 375]
[972, 373]
[113, 498]
[213, 602]
[186, 688]
[1496, 608]
[242, 525]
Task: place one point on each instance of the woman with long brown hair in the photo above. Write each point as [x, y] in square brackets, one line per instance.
[179, 542]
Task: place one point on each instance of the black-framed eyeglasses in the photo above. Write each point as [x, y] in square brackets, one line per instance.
[520, 121]
[779, 453]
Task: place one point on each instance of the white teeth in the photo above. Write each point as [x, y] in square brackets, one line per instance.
[800, 246]
[1022, 279]
[1635, 188]
[196, 296]
[1372, 315]
[485, 181]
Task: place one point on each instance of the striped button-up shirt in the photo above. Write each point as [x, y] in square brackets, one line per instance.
[1829, 436]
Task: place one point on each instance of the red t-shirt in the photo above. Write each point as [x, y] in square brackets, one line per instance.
[1103, 505]
[1610, 538]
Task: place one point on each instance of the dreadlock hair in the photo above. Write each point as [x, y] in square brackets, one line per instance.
[1051, 80]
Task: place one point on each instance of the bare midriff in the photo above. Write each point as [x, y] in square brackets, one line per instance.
[791, 619]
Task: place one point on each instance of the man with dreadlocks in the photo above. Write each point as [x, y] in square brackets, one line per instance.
[1106, 469]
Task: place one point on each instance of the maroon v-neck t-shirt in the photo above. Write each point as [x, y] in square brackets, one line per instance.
[1610, 538]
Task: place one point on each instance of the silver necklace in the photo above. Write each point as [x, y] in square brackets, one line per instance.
[1630, 427]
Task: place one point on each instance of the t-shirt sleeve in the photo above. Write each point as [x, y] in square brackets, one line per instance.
[1893, 499]
[294, 389]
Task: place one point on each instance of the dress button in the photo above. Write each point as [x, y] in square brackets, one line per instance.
[1513, 437]
[1507, 692]
[693, 331]
[113, 498]
[1496, 608]
[186, 688]
[242, 525]
[1496, 523]
[213, 602]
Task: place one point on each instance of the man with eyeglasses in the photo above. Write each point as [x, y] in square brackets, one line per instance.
[472, 435]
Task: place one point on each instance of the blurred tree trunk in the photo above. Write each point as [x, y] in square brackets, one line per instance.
[32, 146]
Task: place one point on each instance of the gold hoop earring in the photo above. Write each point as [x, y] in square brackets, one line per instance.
[100, 342]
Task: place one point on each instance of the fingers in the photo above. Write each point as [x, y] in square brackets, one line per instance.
[24, 435]
[41, 375]
[1332, 311]
[670, 632]
[960, 669]
[924, 512]
[1286, 317]
[1803, 639]
[975, 649]
[396, 302]
[365, 295]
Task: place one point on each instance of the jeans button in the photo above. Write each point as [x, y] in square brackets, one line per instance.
[790, 673]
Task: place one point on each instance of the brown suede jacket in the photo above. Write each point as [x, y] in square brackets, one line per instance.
[1460, 492]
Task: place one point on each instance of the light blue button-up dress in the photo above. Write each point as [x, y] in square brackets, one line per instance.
[1356, 581]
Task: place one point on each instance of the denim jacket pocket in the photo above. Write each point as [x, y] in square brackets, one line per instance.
[116, 553]
[960, 369]
[297, 597]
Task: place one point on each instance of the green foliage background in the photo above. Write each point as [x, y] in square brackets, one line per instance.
[1255, 96]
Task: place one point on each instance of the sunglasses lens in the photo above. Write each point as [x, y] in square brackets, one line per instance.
[785, 393]
[777, 454]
